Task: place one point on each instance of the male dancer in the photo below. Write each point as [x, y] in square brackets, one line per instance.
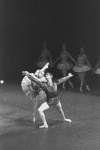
[50, 88]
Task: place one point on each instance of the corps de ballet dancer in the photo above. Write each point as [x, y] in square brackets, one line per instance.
[32, 90]
[50, 88]
[64, 65]
[81, 68]
[44, 57]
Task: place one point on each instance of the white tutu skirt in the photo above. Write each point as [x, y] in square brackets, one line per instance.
[64, 65]
[33, 92]
[82, 68]
[41, 64]
[97, 71]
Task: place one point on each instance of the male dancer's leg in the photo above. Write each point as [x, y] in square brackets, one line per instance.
[59, 109]
[43, 107]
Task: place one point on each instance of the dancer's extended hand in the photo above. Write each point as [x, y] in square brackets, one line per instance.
[70, 75]
[26, 73]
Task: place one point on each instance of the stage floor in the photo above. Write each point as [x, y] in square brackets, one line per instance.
[18, 132]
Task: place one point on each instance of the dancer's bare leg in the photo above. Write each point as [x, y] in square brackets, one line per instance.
[59, 109]
[64, 72]
[43, 107]
[81, 77]
[35, 102]
[87, 86]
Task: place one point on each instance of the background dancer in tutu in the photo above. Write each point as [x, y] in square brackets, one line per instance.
[82, 67]
[97, 68]
[32, 89]
[44, 58]
[64, 65]
[50, 88]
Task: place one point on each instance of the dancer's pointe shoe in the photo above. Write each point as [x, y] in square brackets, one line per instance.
[34, 119]
[68, 120]
[43, 126]
[87, 87]
[81, 90]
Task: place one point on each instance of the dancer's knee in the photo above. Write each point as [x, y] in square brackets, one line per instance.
[39, 110]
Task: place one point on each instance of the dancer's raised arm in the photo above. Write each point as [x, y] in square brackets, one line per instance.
[32, 77]
[45, 67]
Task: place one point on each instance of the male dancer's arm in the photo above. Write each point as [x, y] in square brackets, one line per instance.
[59, 81]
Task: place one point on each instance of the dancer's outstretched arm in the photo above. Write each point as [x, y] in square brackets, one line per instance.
[45, 67]
[72, 58]
[57, 60]
[50, 56]
[87, 62]
[59, 81]
[97, 65]
[32, 77]
[37, 60]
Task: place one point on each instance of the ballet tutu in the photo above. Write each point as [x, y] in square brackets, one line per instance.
[65, 65]
[97, 71]
[32, 90]
[81, 68]
[41, 64]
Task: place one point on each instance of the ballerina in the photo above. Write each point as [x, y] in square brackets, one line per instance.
[82, 67]
[64, 65]
[44, 58]
[32, 89]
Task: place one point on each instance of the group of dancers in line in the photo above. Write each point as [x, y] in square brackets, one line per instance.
[81, 66]
[41, 84]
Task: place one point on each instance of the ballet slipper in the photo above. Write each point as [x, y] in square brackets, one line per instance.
[87, 87]
[68, 120]
[81, 90]
[43, 126]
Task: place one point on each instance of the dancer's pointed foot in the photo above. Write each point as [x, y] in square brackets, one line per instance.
[87, 87]
[68, 120]
[43, 126]
[81, 90]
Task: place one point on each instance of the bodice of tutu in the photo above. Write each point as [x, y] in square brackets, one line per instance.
[44, 55]
[81, 59]
[64, 56]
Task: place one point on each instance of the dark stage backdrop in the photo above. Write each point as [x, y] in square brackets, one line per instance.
[25, 24]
